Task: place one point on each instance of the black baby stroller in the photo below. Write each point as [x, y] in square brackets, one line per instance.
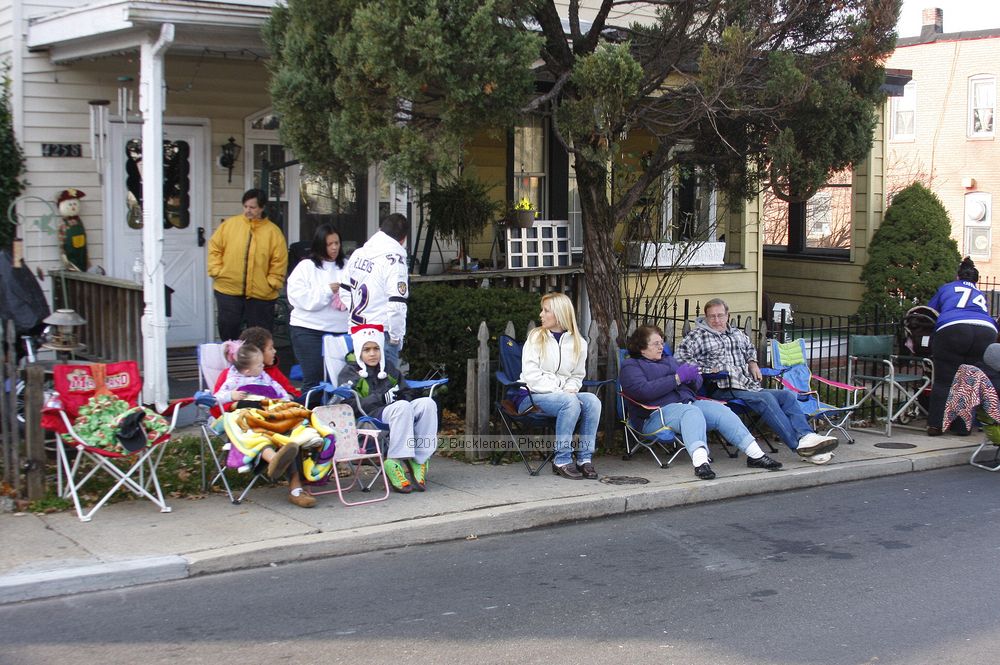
[918, 330]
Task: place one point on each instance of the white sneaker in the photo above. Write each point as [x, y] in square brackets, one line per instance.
[814, 444]
[822, 458]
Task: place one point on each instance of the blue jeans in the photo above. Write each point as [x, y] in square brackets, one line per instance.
[568, 409]
[778, 408]
[392, 352]
[693, 421]
[307, 344]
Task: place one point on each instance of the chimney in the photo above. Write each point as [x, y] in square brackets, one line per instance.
[932, 21]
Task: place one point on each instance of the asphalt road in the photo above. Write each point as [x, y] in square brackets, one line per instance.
[892, 570]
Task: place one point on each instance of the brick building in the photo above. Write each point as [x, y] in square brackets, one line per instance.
[942, 130]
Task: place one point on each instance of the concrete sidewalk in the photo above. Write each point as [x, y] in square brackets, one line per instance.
[132, 543]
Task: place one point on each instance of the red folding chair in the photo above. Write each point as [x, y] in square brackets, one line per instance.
[74, 386]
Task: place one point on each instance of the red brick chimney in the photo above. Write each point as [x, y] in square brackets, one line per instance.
[932, 21]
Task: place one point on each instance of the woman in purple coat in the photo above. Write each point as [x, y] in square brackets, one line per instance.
[656, 379]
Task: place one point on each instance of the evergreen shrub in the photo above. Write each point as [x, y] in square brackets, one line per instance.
[911, 254]
[442, 324]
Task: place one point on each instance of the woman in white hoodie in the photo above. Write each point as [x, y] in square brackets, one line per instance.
[315, 296]
[553, 368]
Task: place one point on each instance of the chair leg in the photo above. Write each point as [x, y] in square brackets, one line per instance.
[982, 464]
[532, 471]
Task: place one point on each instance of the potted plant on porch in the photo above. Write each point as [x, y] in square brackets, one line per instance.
[459, 209]
[524, 213]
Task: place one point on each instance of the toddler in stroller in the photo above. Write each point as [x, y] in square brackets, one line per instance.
[918, 330]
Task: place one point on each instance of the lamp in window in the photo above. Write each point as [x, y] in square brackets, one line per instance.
[230, 153]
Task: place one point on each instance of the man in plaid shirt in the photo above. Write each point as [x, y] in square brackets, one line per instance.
[714, 346]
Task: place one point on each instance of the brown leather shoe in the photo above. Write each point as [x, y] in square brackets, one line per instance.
[934, 431]
[303, 500]
[282, 460]
[588, 470]
[567, 471]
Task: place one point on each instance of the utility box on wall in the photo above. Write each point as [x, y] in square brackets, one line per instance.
[978, 220]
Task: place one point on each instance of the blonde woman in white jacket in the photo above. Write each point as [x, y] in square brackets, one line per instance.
[553, 367]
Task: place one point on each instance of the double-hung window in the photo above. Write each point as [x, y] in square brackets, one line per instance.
[982, 105]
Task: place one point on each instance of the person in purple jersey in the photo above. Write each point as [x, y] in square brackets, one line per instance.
[964, 330]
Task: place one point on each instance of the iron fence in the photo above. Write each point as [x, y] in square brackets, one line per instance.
[827, 338]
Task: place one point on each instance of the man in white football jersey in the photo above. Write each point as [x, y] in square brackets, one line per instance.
[379, 283]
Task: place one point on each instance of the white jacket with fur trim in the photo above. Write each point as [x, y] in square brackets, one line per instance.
[555, 370]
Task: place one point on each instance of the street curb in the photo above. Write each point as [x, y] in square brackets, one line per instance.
[524, 516]
[456, 526]
[96, 577]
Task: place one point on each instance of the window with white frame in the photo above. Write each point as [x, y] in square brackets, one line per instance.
[903, 118]
[689, 210]
[530, 163]
[982, 105]
[574, 214]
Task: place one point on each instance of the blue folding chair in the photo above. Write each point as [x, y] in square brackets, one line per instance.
[533, 422]
[519, 425]
[633, 414]
[789, 359]
[750, 417]
[336, 352]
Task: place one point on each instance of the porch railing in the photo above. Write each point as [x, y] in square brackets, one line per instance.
[541, 280]
[113, 311]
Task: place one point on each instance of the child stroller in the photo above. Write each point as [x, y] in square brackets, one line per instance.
[918, 330]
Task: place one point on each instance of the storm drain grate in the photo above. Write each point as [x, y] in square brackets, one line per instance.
[624, 480]
[895, 445]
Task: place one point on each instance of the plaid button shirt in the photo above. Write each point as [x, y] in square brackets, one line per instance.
[712, 351]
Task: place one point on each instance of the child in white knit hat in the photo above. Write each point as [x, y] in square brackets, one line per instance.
[413, 424]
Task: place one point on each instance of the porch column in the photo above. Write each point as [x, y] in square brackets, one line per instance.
[152, 95]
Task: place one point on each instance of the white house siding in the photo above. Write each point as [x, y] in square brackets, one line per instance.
[6, 32]
[221, 91]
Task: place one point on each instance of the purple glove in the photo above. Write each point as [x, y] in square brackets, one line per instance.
[687, 373]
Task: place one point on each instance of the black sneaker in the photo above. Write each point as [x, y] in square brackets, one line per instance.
[704, 472]
[764, 462]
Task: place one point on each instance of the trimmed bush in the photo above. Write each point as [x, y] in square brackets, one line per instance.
[442, 324]
[911, 254]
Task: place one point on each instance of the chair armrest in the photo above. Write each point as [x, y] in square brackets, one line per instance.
[205, 398]
[794, 389]
[637, 403]
[429, 383]
[770, 371]
[597, 385]
[506, 380]
[837, 384]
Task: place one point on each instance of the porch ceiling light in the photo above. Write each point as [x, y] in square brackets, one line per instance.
[230, 153]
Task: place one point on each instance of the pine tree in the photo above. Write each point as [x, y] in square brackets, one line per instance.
[911, 254]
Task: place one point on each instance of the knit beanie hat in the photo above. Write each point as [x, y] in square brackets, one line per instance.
[361, 335]
[992, 356]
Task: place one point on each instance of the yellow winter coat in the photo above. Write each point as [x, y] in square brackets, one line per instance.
[248, 258]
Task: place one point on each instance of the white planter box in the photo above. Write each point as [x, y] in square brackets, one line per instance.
[665, 254]
[544, 245]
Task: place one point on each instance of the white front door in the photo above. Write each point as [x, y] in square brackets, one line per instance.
[185, 229]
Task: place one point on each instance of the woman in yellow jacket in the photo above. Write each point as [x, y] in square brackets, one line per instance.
[248, 260]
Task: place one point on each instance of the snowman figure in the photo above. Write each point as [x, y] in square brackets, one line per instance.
[72, 235]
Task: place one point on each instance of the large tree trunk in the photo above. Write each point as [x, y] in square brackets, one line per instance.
[600, 264]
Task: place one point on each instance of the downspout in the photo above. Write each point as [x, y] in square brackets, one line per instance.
[152, 98]
[18, 28]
